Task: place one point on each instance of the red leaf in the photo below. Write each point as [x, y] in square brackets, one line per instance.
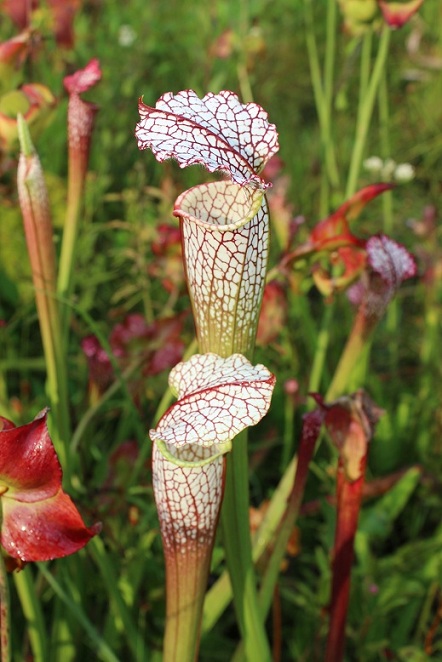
[40, 521]
[48, 529]
[29, 466]
[334, 231]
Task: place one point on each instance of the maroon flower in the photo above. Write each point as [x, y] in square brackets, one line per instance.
[396, 14]
[350, 422]
[39, 521]
[13, 53]
[389, 264]
[62, 15]
[157, 346]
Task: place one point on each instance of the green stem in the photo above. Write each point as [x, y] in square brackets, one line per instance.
[364, 72]
[39, 239]
[330, 51]
[323, 95]
[357, 344]
[241, 68]
[31, 607]
[5, 611]
[237, 544]
[387, 207]
[220, 594]
[68, 246]
[101, 646]
[366, 104]
[384, 119]
[321, 349]
[132, 635]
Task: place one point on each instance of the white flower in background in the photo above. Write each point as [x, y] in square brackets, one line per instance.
[126, 36]
[388, 169]
[373, 164]
[404, 173]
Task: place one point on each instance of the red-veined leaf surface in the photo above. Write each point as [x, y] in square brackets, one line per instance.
[390, 260]
[225, 231]
[217, 131]
[218, 397]
[187, 497]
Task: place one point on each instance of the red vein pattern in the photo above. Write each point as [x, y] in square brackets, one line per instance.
[225, 230]
[218, 398]
[218, 131]
[391, 264]
[390, 260]
[187, 498]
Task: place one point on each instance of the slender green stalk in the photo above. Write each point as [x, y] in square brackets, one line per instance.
[366, 105]
[238, 549]
[133, 638]
[350, 357]
[387, 208]
[69, 242]
[288, 440]
[220, 594]
[384, 119]
[241, 68]
[330, 52]
[101, 646]
[38, 230]
[31, 608]
[364, 72]
[5, 611]
[322, 344]
[323, 94]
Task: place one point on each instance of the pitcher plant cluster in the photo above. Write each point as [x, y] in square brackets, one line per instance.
[224, 230]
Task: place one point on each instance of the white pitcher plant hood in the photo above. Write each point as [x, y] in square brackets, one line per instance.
[217, 399]
[225, 225]
[218, 131]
